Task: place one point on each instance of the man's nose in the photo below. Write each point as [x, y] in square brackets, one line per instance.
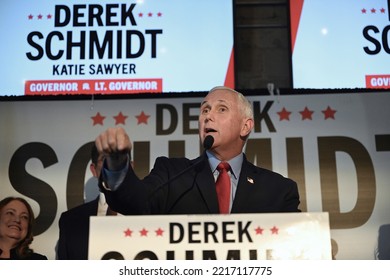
[210, 116]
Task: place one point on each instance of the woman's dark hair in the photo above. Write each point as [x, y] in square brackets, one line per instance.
[22, 248]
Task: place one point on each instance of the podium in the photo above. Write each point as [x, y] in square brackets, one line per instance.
[279, 236]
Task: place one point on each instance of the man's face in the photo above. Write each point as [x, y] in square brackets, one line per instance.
[96, 168]
[220, 117]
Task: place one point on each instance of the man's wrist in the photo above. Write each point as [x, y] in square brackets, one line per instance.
[117, 161]
[111, 179]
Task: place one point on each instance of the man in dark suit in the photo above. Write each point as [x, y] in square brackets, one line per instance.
[74, 231]
[74, 223]
[226, 117]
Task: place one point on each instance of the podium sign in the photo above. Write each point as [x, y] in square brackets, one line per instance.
[283, 236]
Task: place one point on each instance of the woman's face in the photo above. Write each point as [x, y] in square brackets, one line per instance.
[14, 218]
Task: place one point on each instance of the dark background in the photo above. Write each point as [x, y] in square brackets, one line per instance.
[262, 44]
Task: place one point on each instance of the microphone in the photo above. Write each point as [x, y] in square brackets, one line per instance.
[207, 144]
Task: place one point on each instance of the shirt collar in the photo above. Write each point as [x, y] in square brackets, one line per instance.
[102, 199]
[235, 163]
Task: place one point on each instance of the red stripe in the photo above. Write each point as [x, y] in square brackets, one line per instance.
[295, 16]
[103, 86]
[229, 79]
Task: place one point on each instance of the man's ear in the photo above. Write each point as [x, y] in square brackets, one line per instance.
[247, 127]
[93, 169]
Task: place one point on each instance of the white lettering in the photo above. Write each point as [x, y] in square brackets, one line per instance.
[378, 82]
[135, 85]
[53, 87]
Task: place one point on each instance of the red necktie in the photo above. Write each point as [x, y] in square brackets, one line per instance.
[223, 187]
[110, 212]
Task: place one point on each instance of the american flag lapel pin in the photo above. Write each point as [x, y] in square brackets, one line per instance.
[250, 180]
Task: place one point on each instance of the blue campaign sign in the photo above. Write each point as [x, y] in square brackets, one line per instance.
[103, 47]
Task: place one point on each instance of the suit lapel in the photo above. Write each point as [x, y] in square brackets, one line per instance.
[94, 207]
[206, 186]
[245, 187]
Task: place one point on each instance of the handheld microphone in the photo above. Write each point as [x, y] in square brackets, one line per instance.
[207, 144]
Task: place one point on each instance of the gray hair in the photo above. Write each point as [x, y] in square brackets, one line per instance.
[246, 106]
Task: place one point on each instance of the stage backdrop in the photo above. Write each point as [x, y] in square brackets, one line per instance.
[336, 146]
[331, 39]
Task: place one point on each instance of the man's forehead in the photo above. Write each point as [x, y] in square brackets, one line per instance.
[218, 101]
[219, 96]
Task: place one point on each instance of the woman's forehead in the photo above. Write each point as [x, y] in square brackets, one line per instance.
[16, 205]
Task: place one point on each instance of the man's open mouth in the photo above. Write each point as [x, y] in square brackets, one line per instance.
[208, 130]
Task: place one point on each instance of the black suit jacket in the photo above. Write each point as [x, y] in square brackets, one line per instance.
[74, 231]
[258, 191]
[31, 256]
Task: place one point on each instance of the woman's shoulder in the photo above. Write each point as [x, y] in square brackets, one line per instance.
[29, 256]
[36, 256]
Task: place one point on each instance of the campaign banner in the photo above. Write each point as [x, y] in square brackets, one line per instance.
[115, 47]
[335, 146]
[340, 44]
[282, 236]
[76, 87]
